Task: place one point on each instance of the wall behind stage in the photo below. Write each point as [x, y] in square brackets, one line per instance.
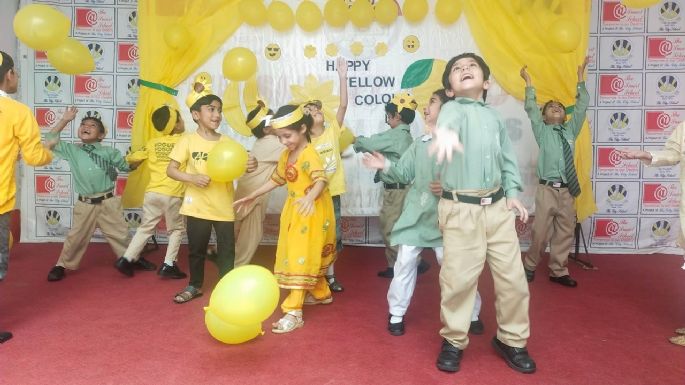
[636, 79]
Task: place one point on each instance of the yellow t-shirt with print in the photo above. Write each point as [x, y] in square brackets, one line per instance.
[327, 145]
[215, 202]
[156, 152]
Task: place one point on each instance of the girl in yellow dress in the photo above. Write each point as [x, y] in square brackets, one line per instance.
[306, 241]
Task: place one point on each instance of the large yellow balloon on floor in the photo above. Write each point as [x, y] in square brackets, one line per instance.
[227, 161]
[239, 64]
[41, 27]
[229, 333]
[253, 12]
[280, 16]
[308, 16]
[361, 13]
[448, 11]
[415, 10]
[563, 36]
[336, 13]
[245, 296]
[637, 4]
[71, 57]
[386, 12]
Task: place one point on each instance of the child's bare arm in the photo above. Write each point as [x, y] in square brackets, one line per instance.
[174, 172]
[306, 203]
[581, 69]
[524, 74]
[342, 107]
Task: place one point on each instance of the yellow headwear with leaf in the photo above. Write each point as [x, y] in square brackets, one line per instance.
[404, 100]
[287, 120]
[202, 86]
[260, 116]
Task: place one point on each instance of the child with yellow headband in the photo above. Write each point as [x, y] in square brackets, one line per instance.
[163, 197]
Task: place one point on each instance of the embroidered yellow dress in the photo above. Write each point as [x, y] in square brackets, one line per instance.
[306, 244]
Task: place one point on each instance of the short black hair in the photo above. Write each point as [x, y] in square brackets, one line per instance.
[98, 122]
[205, 101]
[6, 66]
[442, 95]
[307, 120]
[407, 115]
[258, 131]
[161, 116]
[481, 63]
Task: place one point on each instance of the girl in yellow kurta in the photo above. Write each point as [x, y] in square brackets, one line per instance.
[306, 241]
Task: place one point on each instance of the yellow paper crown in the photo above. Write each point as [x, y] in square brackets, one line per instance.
[286, 120]
[202, 86]
[404, 100]
[259, 116]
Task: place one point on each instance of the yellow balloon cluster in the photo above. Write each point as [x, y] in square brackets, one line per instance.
[563, 35]
[448, 11]
[386, 12]
[240, 302]
[361, 13]
[280, 16]
[239, 64]
[335, 12]
[177, 36]
[253, 12]
[308, 16]
[41, 27]
[415, 10]
[227, 161]
[71, 57]
[637, 4]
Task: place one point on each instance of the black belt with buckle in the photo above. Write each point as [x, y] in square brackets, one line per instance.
[481, 201]
[553, 184]
[95, 200]
[394, 186]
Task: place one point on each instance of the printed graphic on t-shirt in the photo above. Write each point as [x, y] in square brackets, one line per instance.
[162, 151]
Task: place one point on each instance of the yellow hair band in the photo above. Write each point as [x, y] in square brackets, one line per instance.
[258, 118]
[404, 100]
[2, 58]
[286, 120]
[173, 119]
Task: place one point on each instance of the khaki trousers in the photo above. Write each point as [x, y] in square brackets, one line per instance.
[249, 231]
[554, 210]
[108, 216]
[472, 235]
[393, 201]
[155, 206]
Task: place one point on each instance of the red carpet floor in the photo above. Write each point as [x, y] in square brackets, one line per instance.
[99, 327]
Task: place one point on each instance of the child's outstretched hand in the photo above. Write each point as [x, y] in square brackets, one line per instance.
[200, 180]
[341, 64]
[634, 154]
[374, 160]
[242, 203]
[513, 203]
[581, 69]
[69, 113]
[525, 76]
[251, 163]
[445, 143]
[306, 206]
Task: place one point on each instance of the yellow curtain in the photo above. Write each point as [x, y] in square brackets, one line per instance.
[197, 29]
[511, 33]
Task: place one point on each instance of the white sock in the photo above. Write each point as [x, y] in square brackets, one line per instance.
[395, 319]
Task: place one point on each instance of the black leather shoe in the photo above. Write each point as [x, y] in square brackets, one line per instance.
[124, 266]
[477, 327]
[144, 264]
[396, 329]
[5, 336]
[333, 284]
[449, 357]
[387, 273]
[517, 358]
[530, 275]
[423, 267]
[56, 274]
[172, 272]
[565, 280]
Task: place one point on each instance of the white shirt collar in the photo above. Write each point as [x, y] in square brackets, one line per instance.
[3, 93]
[426, 137]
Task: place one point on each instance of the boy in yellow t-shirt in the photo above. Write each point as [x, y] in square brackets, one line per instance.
[163, 196]
[207, 204]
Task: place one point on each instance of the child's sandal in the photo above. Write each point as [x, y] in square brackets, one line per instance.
[189, 293]
[291, 320]
[680, 331]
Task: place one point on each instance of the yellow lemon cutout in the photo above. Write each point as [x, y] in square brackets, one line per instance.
[356, 48]
[309, 51]
[332, 49]
[381, 49]
[272, 52]
[411, 43]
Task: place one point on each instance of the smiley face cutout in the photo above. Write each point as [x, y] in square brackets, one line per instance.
[272, 52]
[411, 44]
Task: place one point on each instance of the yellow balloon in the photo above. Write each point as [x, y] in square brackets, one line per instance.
[637, 4]
[41, 27]
[227, 161]
[229, 333]
[361, 13]
[336, 13]
[448, 11]
[308, 16]
[71, 57]
[177, 36]
[245, 296]
[239, 64]
[386, 11]
[415, 10]
[253, 12]
[563, 35]
[280, 16]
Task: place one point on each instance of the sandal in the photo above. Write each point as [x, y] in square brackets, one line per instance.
[333, 284]
[680, 331]
[309, 299]
[291, 320]
[189, 293]
[678, 340]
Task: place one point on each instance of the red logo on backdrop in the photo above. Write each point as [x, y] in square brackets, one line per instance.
[128, 52]
[45, 117]
[119, 186]
[45, 184]
[613, 11]
[85, 85]
[125, 119]
[41, 55]
[608, 157]
[610, 84]
[86, 17]
[654, 193]
[657, 121]
[659, 48]
[606, 228]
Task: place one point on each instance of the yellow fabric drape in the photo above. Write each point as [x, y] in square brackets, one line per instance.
[205, 25]
[510, 34]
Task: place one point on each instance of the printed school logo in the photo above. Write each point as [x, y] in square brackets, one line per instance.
[132, 220]
[661, 228]
[86, 17]
[606, 228]
[654, 193]
[133, 88]
[199, 156]
[617, 193]
[96, 51]
[659, 48]
[667, 84]
[52, 218]
[657, 121]
[613, 11]
[125, 120]
[45, 117]
[608, 157]
[133, 19]
[621, 48]
[521, 227]
[45, 184]
[669, 10]
[52, 84]
[618, 121]
[611, 85]
[85, 85]
[93, 114]
[127, 53]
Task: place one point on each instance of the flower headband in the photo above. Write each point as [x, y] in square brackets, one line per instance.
[286, 120]
[404, 100]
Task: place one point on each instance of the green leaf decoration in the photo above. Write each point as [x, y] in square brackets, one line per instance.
[417, 73]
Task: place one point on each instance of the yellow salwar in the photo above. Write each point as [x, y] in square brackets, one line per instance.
[306, 244]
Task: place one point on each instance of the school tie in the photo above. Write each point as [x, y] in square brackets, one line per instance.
[101, 162]
[571, 177]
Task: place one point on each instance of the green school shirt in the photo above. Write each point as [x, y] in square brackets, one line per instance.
[391, 143]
